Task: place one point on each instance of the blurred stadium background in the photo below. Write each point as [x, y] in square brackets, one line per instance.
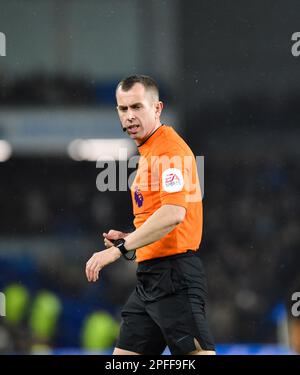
[231, 87]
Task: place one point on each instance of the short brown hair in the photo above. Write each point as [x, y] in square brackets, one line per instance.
[127, 83]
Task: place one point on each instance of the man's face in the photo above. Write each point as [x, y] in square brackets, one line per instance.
[139, 111]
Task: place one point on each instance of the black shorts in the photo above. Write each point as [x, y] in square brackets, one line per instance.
[167, 307]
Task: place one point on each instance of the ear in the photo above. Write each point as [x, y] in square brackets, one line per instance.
[158, 109]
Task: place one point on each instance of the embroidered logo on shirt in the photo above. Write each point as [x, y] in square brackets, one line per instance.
[138, 196]
[172, 180]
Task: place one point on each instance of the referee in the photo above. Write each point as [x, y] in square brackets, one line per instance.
[168, 305]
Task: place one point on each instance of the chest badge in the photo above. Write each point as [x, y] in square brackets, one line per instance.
[138, 197]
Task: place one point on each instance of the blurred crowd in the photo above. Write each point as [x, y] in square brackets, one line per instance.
[44, 89]
[251, 245]
[33, 322]
[41, 89]
[58, 197]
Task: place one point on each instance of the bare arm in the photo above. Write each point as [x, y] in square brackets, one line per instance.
[159, 224]
[163, 221]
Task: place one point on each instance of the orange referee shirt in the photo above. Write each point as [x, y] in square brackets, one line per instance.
[167, 174]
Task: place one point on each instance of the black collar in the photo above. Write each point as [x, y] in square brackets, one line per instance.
[150, 136]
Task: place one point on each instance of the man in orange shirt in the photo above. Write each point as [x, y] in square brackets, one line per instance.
[168, 304]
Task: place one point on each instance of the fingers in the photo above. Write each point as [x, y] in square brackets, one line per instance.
[88, 270]
[99, 260]
[93, 273]
[108, 243]
[112, 234]
[92, 269]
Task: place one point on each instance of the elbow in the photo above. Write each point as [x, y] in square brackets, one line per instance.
[177, 215]
[181, 215]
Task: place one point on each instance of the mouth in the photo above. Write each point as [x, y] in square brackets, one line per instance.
[133, 129]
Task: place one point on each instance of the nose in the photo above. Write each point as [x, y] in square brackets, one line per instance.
[130, 115]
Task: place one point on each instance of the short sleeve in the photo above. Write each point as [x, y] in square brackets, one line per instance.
[174, 172]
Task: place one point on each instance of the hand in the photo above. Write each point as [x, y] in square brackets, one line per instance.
[112, 235]
[100, 260]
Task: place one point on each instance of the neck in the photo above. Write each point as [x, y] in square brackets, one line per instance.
[139, 142]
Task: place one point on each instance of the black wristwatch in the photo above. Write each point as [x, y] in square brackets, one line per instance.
[120, 245]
